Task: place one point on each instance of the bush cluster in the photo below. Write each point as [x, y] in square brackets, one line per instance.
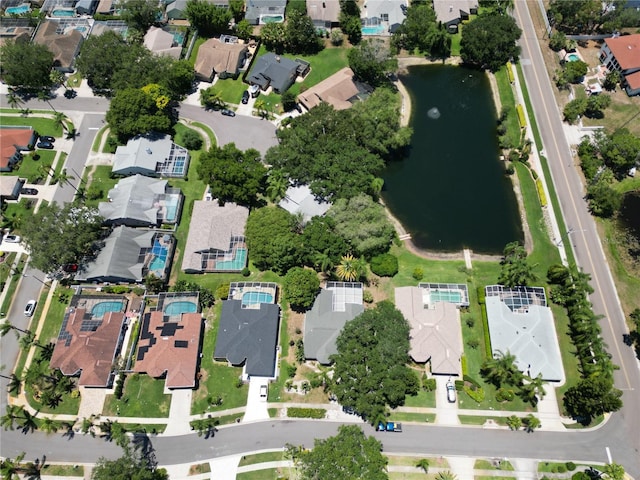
[384, 265]
[306, 412]
[504, 395]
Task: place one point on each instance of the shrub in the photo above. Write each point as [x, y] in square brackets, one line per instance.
[464, 365]
[521, 118]
[336, 37]
[367, 296]
[504, 395]
[473, 343]
[470, 322]
[459, 384]
[384, 265]
[222, 292]
[288, 101]
[191, 140]
[418, 273]
[510, 170]
[570, 466]
[306, 412]
[246, 272]
[580, 476]
[481, 299]
[561, 469]
[477, 395]
[541, 194]
[485, 328]
[291, 370]
[239, 382]
[119, 386]
[429, 384]
[471, 380]
[139, 291]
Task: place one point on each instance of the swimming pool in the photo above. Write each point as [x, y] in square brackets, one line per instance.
[573, 57]
[252, 298]
[176, 308]
[451, 296]
[178, 37]
[238, 262]
[171, 207]
[272, 18]
[159, 260]
[99, 309]
[373, 30]
[63, 12]
[19, 10]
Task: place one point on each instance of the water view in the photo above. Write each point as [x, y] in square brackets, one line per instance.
[450, 192]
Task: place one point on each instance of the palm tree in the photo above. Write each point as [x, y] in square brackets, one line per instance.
[11, 414]
[514, 422]
[531, 423]
[501, 369]
[259, 105]
[423, 464]
[6, 327]
[58, 120]
[323, 262]
[9, 469]
[33, 470]
[88, 426]
[28, 420]
[277, 184]
[48, 425]
[446, 475]
[14, 100]
[15, 384]
[44, 97]
[347, 269]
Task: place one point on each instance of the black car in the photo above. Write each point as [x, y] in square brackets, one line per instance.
[228, 113]
[245, 97]
[47, 138]
[45, 145]
[28, 191]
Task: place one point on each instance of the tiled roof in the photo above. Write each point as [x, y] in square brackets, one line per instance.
[64, 47]
[626, 49]
[335, 90]
[215, 56]
[134, 198]
[161, 42]
[449, 10]
[90, 351]
[633, 79]
[9, 138]
[171, 347]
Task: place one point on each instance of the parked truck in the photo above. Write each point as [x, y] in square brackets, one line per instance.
[389, 427]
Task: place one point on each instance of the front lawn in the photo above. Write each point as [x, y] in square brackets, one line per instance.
[36, 165]
[44, 126]
[98, 180]
[143, 396]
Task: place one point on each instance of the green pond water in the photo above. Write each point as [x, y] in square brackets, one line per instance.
[450, 192]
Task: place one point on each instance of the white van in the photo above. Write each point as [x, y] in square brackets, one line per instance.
[451, 392]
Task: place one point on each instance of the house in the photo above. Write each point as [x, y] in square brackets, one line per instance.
[436, 333]
[386, 13]
[334, 306]
[128, 256]
[520, 322]
[216, 242]
[140, 201]
[15, 29]
[339, 90]
[324, 13]
[13, 141]
[622, 54]
[170, 347]
[153, 155]
[271, 70]
[259, 12]
[177, 9]
[248, 337]
[300, 200]
[105, 7]
[91, 338]
[216, 57]
[10, 187]
[64, 41]
[161, 42]
[452, 12]
[86, 7]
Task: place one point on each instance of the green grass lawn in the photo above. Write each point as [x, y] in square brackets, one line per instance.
[36, 165]
[412, 417]
[267, 474]
[476, 420]
[422, 399]
[408, 461]
[101, 177]
[194, 51]
[143, 396]
[15, 214]
[98, 140]
[210, 134]
[44, 126]
[63, 470]
[507, 100]
[482, 464]
[261, 458]
[455, 43]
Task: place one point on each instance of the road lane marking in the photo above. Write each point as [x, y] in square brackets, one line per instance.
[572, 200]
[609, 454]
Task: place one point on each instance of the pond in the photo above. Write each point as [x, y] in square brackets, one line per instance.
[451, 192]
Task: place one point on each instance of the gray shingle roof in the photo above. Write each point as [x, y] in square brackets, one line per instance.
[134, 198]
[449, 11]
[275, 70]
[118, 259]
[301, 200]
[143, 153]
[323, 324]
[255, 8]
[249, 334]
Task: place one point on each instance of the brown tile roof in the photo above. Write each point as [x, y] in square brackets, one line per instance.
[324, 10]
[87, 350]
[171, 347]
[63, 46]
[335, 90]
[633, 80]
[436, 335]
[626, 49]
[215, 56]
[9, 138]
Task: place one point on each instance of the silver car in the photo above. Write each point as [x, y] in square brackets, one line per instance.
[451, 392]
[30, 308]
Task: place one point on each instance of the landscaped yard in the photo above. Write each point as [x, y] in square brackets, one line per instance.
[35, 166]
[143, 396]
[98, 179]
[44, 126]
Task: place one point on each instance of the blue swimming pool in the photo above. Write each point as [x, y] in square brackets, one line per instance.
[19, 10]
[252, 298]
[373, 30]
[63, 12]
[176, 308]
[159, 260]
[272, 18]
[172, 209]
[99, 309]
[573, 57]
[237, 264]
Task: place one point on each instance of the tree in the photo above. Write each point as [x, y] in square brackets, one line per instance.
[191, 140]
[489, 41]
[179, 77]
[70, 234]
[350, 20]
[578, 16]
[300, 36]
[592, 397]
[277, 185]
[141, 14]
[501, 370]
[575, 71]
[234, 175]
[614, 471]
[273, 36]
[322, 243]
[7, 326]
[350, 454]
[272, 240]
[131, 465]
[574, 109]
[421, 30]
[207, 18]
[619, 150]
[596, 104]
[557, 41]
[516, 271]
[603, 200]
[514, 422]
[611, 80]
[530, 423]
[370, 370]
[11, 468]
[301, 287]
[133, 111]
[371, 61]
[364, 224]
[244, 29]
[26, 65]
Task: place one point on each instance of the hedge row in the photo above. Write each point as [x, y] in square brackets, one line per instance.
[510, 72]
[306, 412]
[541, 194]
[477, 394]
[521, 118]
[463, 365]
[485, 330]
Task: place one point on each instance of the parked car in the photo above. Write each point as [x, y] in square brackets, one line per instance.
[70, 267]
[228, 113]
[45, 145]
[451, 392]
[47, 138]
[28, 191]
[263, 393]
[389, 427]
[12, 238]
[30, 308]
[245, 97]
[254, 90]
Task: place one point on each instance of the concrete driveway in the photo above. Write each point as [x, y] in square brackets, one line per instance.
[256, 406]
[447, 412]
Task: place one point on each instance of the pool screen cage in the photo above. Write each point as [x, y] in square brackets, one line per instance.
[165, 297]
[236, 289]
[518, 299]
[343, 293]
[371, 22]
[209, 259]
[457, 293]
